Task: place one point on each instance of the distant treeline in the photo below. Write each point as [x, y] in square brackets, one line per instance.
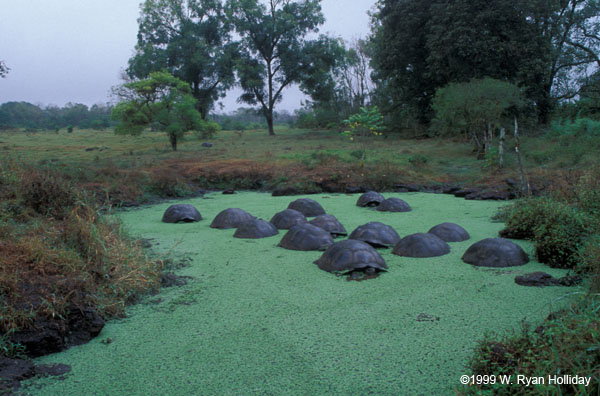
[30, 116]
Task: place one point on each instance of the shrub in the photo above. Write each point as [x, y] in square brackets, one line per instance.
[565, 344]
[70, 129]
[418, 160]
[208, 129]
[46, 192]
[556, 228]
[589, 261]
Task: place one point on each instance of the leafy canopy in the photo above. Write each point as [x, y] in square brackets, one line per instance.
[161, 100]
[469, 107]
[192, 40]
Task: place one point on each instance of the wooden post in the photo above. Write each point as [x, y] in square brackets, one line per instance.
[501, 148]
[524, 184]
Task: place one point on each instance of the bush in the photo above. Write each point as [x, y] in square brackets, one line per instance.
[208, 129]
[578, 127]
[556, 228]
[70, 129]
[46, 192]
[567, 343]
[418, 160]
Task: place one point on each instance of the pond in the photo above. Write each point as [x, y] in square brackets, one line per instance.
[257, 319]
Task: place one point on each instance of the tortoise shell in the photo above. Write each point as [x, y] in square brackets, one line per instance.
[370, 198]
[288, 218]
[255, 229]
[421, 245]
[231, 218]
[393, 205]
[495, 252]
[306, 237]
[376, 234]
[350, 255]
[450, 232]
[330, 224]
[181, 213]
[307, 206]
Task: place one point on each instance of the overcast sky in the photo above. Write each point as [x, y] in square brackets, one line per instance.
[63, 51]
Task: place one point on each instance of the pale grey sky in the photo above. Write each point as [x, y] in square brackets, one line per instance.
[63, 51]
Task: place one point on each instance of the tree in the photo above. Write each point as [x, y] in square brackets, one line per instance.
[545, 46]
[275, 53]
[191, 39]
[160, 100]
[3, 69]
[474, 108]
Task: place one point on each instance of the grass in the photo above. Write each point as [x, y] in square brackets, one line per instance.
[125, 168]
[258, 319]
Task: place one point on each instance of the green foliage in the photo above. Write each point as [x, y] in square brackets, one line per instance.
[207, 129]
[70, 129]
[579, 127]
[418, 160]
[275, 52]
[362, 124]
[3, 69]
[162, 100]
[544, 46]
[192, 40]
[9, 348]
[557, 229]
[468, 108]
[567, 342]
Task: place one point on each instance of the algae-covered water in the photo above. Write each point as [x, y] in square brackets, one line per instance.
[260, 320]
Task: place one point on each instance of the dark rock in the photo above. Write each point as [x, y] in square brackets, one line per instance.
[307, 206]
[450, 232]
[450, 189]
[285, 191]
[330, 224]
[394, 205]
[495, 252]
[330, 187]
[169, 279]
[255, 229]
[421, 245]
[45, 370]
[16, 369]
[462, 193]
[288, 218]
[515, 234]
[231, 218]
[181, 213]
[407, 187]
[207, 144]
[128, 204]
[229, 191]
[349, 255]
[306, 237]
[370, 198]
[570, 280]
[354, 189]
[376, 234]
[43, 338]
[536, 279]
[83, 324]
[92, 148]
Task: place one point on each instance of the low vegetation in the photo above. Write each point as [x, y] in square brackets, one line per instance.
[60, 253]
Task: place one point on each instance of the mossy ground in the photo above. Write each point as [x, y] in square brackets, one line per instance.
[261, 320]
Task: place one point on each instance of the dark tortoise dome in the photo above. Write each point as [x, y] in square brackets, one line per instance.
[350, 255]
[421, 245]
[181, 213]
[288, 218]
[231, 218]
[450, 232]
[370, 198]
[376, 234]
[330, 224]
[495, 252]
[393, 205]
[255, 229]
[307, 206]
[306, 237]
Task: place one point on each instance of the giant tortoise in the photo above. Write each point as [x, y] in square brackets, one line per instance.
[181, 213]
[306, 237]
[231, 218]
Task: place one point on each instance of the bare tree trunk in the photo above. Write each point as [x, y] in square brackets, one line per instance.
[524, 183]
[501, 148]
